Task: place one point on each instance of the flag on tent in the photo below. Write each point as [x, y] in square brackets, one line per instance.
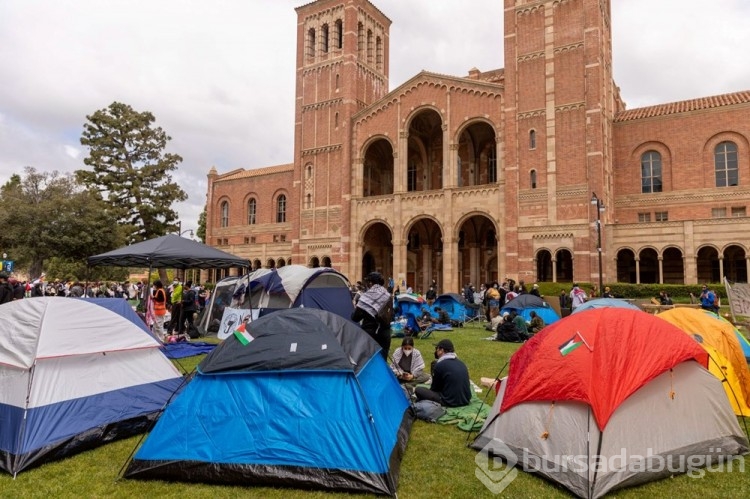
[570, 345]
[243, 336]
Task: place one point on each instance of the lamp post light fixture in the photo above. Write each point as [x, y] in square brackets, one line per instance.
[180, 232]
[599, 209]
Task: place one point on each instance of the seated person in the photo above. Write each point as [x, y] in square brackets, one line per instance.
[507, 330]
[536, 324]
[425, 319]
[443, 317]
[520, 322]
[450, 379]
[408, 365]
[664, 298]
[494, 323]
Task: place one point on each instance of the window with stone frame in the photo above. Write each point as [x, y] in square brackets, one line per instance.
[644, 217]
[651, 172]
[225, 214]
[725, 165]
[661, 216]
[739, 211]
[252, 207]
[281, 209]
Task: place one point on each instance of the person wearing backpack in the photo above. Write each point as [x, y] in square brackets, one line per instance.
[374, 312]
[709, 300]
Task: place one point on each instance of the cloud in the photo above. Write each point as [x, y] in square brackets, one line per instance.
[219, 76]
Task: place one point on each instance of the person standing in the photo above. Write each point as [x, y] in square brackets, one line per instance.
[6, 291]
[369, 312]
[450, 379]
[159, 297]
[577, 297]
[176, 301]
[188, 308]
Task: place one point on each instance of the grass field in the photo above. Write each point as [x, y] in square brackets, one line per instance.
[437, 462]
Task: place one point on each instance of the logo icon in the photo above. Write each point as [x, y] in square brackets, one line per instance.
[496, 466]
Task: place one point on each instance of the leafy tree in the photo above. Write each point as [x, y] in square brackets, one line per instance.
[131, 170]
[201, 232]
[45, 215]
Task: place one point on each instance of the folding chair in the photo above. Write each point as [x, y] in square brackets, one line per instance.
[473, 313]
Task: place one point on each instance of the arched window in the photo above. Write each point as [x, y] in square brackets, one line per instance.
[650, 172]
[532, 179]
[308, 201]
[309, 170]
[281, 209]
[324, 35]
[378, 53]
[725, 164]
[338, 34]
[336, 120]
[360, 41]
[311, 44]
[369, 46]
[225, 214]
[326, 262]
[337, 82]
[252, 206]
[532, 139]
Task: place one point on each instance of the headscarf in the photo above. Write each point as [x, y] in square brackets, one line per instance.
[373, 299]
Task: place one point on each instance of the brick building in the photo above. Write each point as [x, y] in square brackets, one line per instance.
[513, 172]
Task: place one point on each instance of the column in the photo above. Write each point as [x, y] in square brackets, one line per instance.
[637, 270]
[661, 269]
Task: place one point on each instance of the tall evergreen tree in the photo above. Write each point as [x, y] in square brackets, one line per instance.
[131, 170]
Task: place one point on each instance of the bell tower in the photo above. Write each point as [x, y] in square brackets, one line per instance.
[342, 67]
[560, 103]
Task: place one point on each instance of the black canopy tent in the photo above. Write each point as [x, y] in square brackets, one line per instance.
[170, 251]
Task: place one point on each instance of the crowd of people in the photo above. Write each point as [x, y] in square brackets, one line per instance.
[179, 303]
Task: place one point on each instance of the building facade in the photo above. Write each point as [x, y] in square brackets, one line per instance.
[536, 171]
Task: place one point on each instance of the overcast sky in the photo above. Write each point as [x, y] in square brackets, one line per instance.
[219, 75]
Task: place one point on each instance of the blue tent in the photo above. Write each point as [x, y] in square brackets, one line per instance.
[294, 286]
[302, 399]
[408, 304]
[456, 306]
[526, 303]
[605, 302]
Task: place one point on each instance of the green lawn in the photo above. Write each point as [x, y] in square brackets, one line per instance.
[437, 462]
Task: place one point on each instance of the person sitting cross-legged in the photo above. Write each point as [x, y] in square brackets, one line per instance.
[507, 330]
[450, 379]
[535, 324]
[408, 365]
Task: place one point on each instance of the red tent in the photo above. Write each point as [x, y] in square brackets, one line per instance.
[599, 357]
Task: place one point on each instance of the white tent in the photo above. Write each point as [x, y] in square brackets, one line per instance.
[74, 375]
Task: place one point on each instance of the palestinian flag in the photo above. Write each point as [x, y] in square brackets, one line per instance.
[242, 335]
[570, 345]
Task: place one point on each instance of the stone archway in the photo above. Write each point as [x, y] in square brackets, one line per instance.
[424, 255]
[377, 253]
[626, 266]
[377, 174]
[735, 263]
[425, 152]
[708, 265]
[544, 266]
[477, 251]
[648, 267]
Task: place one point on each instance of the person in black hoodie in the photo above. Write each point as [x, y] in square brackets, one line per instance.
[450, 379]
[6, 291]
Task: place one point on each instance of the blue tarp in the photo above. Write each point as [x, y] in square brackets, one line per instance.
[183, 349]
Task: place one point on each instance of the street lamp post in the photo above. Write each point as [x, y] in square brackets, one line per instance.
[599, 209]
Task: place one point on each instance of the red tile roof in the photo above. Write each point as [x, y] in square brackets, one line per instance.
[684, 106]
[257, 172]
